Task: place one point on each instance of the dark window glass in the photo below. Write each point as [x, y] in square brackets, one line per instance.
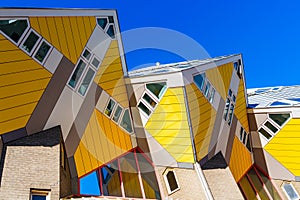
[212, 95]
[172, 181]
[30, 42]
[144, 108]
[230, 92]
[248, 191]
[102, 22]
[42, 52]
[271, 127]
[77, 74]
[126, 121]
[207, 88]
[117, 114]
[265, 133]
[86, 54]
[86, 82]
[241, 134]
[248, 145]
[111, 19]
[13, 28]
[199, 80]
[156, 88]
[149, 100]
[111, 31]
[230, 114]
[245, 137]
[257, 184]
[226, 109]
[110, 107]
[111, 179]
[280, 119]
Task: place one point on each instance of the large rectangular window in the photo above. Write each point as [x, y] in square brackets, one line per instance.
[86, 81]
[77, 74]
[30, 42]
[42, 51]
[15, 29]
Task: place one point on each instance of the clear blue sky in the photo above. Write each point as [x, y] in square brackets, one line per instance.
[267, 33]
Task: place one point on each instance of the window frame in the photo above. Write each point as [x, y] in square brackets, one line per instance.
[208, 94]
[229, 113]
[113, 109]
[37, 49]
[142, 100]
[286, 193]
[40, 192]
[81, 76]
[23, 34]
[153, 95]
[120, 116]
[167, 182]
[131, 122]
[34, 46]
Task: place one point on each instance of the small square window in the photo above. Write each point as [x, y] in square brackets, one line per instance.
[42, 52]
[271, 127]
[86, 54]
[117, 114]
[95, 62]
[77, 74]
[30, 42]
[199, 80]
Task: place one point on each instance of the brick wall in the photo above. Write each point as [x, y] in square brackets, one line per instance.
[31, 162]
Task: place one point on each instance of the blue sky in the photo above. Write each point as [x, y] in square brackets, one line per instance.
[267, 33]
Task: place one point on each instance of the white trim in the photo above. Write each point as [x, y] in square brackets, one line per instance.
[110, 99]
[167, 182]
[23, 34]
[40, 193]
[34, 46]
[203, 181]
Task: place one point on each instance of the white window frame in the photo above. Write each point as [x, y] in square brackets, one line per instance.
[79, 80]
[35, 45]
[22, 36]
[91, 62]
[121, 114]
[231, 98]
[285, 192]
[121, 117]
[151, 94]
[167, 182]
[82, 78]
[105, 25]
[37, 48]
[208, 96]
[87, 61]
[106, 28]
[113, 110]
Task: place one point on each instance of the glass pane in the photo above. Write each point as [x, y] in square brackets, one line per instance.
[148, 177]
[86, 82]
[230, 114]
[117, 114]
[290, 191]
[258, 185]
[89, 184]
[280, 119]
[77, 74]
[13, 28]
[247, 189]
[271, 127]
[245, 137]
[111, 184]
[102, 22]
[172, 181]
[157, 88]
[86, 54]
[144, 108]
[241, 134]
[273, 192]
[149, 100]
[248, 145]
[265, 133]
[229, 92]
[226, 109]
[38, 197]
[30, 42]
[130, 176]
[110, 107]
[212, 95]
[126, 122]
[42, 52]
[111, 19]
[207, 88]
[233, 98]
[199, 80]
[111, 31]
[95, 62]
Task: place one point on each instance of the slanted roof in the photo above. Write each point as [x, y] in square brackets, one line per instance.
[280, 96]
[174, 67]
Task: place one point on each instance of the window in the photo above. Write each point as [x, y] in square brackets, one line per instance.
[212, 95]
[171, 181]
[109, 107]
[157, 89]
[199, 80]
[271, 127]
[279, 119]
[86, 81]
[245, 138]
[117, 114]
[30, 42]
[207, 88]
[42, 51]
[15, 29]
[290, 191]
[229, 107]
[86, 54]
[126, 121]
[111, 31]
[36, 194]
[95, 62]
[102, 22]
[264, 133]
[144, 108]
[149, 100]
[77, 73]
[237, 66]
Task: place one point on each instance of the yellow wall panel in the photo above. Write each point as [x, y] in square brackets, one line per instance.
[70, 40]
[79, 162]
[54, 36]
[240, 110]
[203, 117]
[101, 142]
[172, 132]
[15, 112]
[220, 78]
[240, 159]
[13, 124]
[76, 36]
[83, 36]
[44, 28]
[6, 45]
[34, 23]
[62, 37]
[12, 56]
[285, 146]
[20, 66]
